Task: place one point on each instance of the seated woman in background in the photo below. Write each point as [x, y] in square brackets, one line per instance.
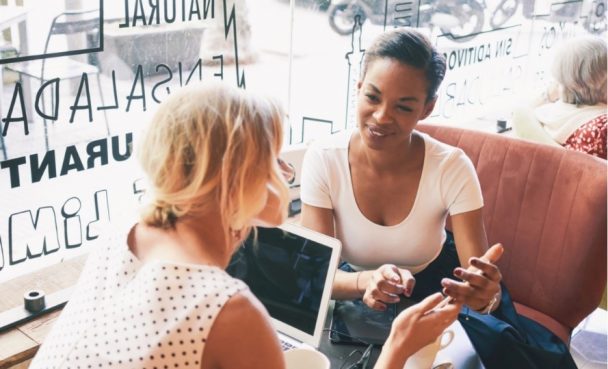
[156, 294]
[386, 190]
[573, 111]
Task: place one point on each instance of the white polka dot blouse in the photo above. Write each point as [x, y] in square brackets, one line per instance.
[125, 314]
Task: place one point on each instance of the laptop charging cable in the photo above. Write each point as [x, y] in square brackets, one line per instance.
[364, 360]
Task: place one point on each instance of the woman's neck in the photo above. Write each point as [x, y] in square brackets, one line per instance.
[194, 240]
[384, 161]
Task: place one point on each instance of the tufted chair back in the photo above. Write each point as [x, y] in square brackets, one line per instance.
[547, 206]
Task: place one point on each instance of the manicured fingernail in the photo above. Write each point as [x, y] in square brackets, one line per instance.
[474, 261]
[458, 272]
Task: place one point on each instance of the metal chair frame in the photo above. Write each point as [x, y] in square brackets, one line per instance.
[60, 26]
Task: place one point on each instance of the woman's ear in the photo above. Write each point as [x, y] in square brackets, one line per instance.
[273, 214]
[428, 108]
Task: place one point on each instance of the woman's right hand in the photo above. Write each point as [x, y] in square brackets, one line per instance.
[416, 327]
[385, 284]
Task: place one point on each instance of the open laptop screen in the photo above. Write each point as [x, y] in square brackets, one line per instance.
[286, 272]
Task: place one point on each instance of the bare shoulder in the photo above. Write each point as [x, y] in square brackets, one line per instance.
[244, 306]
[242, 337]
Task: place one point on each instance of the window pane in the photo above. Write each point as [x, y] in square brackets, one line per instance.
[71, 108]
[71, 115]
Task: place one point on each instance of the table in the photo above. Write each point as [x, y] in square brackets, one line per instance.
[18, 345]
[338, 353]
[460, 351]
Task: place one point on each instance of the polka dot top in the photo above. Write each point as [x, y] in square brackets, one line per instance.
[127, 314]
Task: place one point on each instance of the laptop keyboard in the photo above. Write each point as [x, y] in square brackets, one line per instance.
[286, 345]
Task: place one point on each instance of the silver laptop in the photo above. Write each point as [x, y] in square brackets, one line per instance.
[290, 269]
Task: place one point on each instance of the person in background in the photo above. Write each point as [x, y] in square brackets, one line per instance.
[573, 109]
[385, 190]
[156, 295]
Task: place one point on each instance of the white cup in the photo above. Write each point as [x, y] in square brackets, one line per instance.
[306, 359]
[424, 358]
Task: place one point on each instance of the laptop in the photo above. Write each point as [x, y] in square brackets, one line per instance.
[290, 269]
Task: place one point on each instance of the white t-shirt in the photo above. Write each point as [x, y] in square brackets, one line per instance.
[126, 314]
[448, 185]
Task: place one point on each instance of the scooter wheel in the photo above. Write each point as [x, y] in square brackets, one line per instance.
[342, 18]
[471, 16]
[503, 12]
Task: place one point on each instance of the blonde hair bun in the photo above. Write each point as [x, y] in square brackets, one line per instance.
[211, 145]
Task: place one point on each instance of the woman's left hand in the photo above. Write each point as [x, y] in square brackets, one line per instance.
[480, 286]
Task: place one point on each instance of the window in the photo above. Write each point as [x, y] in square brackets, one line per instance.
[66, 166]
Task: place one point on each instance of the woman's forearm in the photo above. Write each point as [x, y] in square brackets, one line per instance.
[349, 286]
[394, 354]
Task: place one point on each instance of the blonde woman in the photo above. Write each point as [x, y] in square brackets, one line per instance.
[157, 295]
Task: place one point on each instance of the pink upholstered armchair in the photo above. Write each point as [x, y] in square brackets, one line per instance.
[547, 206]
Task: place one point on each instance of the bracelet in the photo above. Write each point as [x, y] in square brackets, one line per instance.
[357, 283]
[488, 308]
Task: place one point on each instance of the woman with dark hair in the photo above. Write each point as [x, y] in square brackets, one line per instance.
[386, 190]
[390, 187]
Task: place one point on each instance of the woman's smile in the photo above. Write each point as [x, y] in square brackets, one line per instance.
[392, 99]
[379, 132]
